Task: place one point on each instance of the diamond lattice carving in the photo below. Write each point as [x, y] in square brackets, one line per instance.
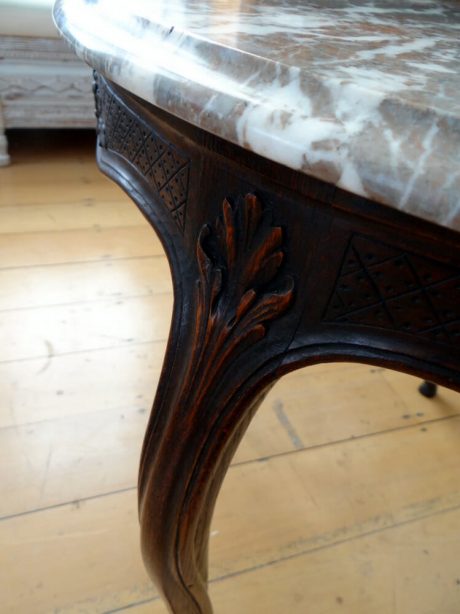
[384, 287]
[162, 165]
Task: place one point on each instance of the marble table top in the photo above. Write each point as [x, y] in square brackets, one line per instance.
[364, 94]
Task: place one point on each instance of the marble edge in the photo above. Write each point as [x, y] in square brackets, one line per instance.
[170, 89]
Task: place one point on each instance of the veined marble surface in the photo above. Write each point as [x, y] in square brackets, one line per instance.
[361, 93]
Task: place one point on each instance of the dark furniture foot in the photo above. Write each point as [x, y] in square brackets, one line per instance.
[428, 389]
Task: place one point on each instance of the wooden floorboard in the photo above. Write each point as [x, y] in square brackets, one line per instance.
[343, 497]
[22, 250]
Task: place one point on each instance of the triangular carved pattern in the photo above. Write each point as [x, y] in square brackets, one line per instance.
[384, 287]
[166, 169]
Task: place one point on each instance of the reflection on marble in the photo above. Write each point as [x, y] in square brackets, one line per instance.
[361, 93]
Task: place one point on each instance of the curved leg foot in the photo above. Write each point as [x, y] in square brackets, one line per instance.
[428, 389]
[219, 366]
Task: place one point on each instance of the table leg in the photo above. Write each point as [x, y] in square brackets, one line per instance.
[216, 374]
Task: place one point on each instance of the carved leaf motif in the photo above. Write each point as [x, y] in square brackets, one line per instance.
[238, 290]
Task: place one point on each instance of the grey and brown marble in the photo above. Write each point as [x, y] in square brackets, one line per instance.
[361, 93]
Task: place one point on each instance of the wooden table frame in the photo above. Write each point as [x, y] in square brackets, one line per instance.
[272, 270]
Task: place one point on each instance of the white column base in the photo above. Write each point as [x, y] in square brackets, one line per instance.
[4, 157]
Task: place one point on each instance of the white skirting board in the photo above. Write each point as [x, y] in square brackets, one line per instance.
[42, 85]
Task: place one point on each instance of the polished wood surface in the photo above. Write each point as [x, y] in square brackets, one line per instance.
[346, 501]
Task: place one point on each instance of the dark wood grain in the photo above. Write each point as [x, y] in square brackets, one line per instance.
[272, 270]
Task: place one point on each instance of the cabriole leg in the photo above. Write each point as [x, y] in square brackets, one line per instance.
[214, 379]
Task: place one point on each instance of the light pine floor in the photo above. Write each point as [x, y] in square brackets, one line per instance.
[344, 496]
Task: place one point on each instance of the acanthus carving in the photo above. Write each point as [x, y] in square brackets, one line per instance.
[385, 287]
[239, 290]
[165, 168]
